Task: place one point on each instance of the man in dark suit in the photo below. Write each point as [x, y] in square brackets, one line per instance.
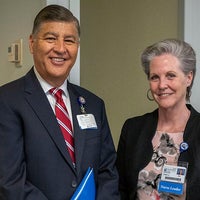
[35, 163]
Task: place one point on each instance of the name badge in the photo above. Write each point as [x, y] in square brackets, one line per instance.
[172, 179]
[86, 121]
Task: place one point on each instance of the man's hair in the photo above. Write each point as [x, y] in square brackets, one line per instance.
[54, 13]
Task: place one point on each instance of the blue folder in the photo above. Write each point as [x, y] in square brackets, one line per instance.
[86, 189]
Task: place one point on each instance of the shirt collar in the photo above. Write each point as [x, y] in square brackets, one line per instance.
[46, 86]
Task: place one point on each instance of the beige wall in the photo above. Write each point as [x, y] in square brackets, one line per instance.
[114, 33]
[16, 22]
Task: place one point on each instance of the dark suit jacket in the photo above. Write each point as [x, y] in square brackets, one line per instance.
[135, 151]
[34, 162]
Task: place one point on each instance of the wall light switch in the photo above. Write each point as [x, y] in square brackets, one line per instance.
[15, 52]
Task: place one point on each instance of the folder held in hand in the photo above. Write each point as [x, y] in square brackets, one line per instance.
[86, 189]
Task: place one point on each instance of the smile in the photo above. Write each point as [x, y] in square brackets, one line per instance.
[58, 59]
[163, 95]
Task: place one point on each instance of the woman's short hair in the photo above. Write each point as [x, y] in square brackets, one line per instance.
[178, 48]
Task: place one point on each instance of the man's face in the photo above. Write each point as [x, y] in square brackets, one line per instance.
[54, 48]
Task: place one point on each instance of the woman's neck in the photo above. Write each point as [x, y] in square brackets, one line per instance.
[173, 120]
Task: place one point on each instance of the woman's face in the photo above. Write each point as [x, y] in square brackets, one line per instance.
[167, 81]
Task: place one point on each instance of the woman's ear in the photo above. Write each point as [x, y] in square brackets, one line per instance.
[189, 78]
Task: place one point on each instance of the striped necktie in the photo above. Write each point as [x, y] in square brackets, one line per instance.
[64, 121]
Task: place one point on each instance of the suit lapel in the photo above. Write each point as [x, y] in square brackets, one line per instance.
[37, 99]
[79, 135]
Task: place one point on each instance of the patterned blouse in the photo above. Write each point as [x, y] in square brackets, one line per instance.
[166, 150]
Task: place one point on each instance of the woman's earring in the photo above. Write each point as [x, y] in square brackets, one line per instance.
[149, 97]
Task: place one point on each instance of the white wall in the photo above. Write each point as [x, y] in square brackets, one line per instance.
[192, 36]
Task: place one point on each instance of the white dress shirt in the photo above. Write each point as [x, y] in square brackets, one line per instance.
[65, 95]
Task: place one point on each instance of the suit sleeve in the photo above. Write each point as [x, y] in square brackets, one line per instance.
[107, 183]
[121, 160]
[13, 178]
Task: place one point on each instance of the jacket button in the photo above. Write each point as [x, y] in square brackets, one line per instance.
[74, 184]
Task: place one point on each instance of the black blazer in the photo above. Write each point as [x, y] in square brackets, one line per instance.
[135, 152]
[34, 162]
